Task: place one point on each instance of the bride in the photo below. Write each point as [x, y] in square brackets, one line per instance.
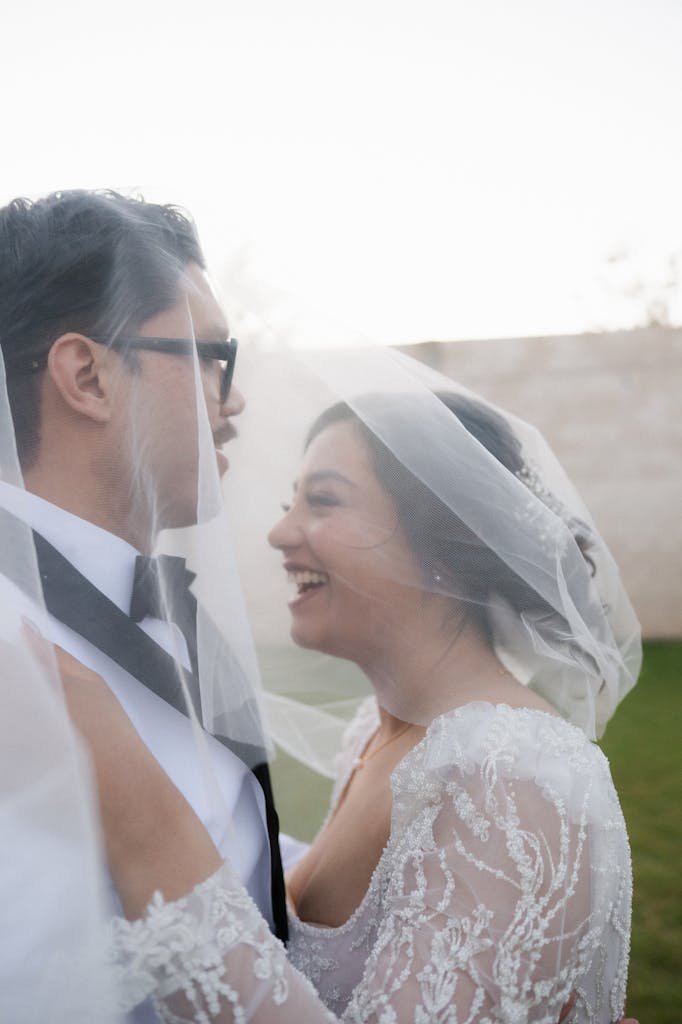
[474, 865]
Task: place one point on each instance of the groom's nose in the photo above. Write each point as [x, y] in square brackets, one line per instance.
[234, 403]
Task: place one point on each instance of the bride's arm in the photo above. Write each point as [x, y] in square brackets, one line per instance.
[140, 807]
[193, 939]
[196, 942]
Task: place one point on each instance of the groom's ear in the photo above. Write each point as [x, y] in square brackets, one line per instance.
[83, 373]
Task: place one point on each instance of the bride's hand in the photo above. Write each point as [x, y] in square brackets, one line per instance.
[96, 713]
[153, 839]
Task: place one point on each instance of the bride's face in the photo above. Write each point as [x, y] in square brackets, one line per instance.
[357, 582]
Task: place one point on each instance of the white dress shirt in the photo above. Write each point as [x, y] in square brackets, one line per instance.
[223, 792]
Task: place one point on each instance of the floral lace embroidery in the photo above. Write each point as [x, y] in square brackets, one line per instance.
[504, 888]
[182, 945]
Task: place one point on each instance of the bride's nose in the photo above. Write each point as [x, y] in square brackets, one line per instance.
[286, 533]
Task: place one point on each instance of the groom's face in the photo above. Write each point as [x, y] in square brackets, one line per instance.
[173, 410]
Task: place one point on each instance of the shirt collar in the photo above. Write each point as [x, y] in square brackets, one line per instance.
[106, 560]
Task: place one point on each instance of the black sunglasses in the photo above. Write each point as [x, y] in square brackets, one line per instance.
[222, 351]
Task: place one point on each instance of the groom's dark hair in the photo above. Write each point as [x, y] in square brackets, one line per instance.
[98, 263]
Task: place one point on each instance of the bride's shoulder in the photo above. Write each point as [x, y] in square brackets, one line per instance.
[480, 745]
[481, 729]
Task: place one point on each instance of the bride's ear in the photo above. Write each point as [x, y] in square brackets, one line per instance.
[81, 371]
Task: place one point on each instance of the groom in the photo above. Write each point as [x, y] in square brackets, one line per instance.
[102, 301]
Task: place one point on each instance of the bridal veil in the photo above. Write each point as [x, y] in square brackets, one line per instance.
[159, 498]
[489, 514]
[493, 524]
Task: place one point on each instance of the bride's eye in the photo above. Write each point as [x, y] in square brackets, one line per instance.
[322, 499]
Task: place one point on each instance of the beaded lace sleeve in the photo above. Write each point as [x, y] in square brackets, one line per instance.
[505, 888]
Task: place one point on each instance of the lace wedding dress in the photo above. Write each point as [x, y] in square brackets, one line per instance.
[504, 888]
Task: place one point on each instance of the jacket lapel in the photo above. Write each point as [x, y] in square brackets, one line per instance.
[76, 602]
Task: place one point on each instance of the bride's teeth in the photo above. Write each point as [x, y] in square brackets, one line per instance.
[307, 576]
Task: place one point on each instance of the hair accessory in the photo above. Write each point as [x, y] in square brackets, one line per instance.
[530, 477]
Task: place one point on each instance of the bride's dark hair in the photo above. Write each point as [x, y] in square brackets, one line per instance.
[446, 548]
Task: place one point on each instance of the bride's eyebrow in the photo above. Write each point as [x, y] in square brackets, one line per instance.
[322, 475]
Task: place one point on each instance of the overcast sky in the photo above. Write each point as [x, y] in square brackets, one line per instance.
[400, 170]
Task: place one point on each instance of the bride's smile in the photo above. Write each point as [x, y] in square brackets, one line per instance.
[357, 581]
[306, 581]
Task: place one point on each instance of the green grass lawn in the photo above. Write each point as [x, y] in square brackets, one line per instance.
[643, 745]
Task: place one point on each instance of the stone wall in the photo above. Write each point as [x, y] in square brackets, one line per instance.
[611, 407]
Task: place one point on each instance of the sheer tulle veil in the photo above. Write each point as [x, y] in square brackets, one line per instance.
[483, 526]
[491, 519]
[122, 283]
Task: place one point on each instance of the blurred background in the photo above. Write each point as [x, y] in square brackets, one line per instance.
[494, 186]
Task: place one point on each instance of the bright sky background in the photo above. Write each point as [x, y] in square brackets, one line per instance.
[407, 170]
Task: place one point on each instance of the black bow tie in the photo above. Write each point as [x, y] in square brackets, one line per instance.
[161, 588]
